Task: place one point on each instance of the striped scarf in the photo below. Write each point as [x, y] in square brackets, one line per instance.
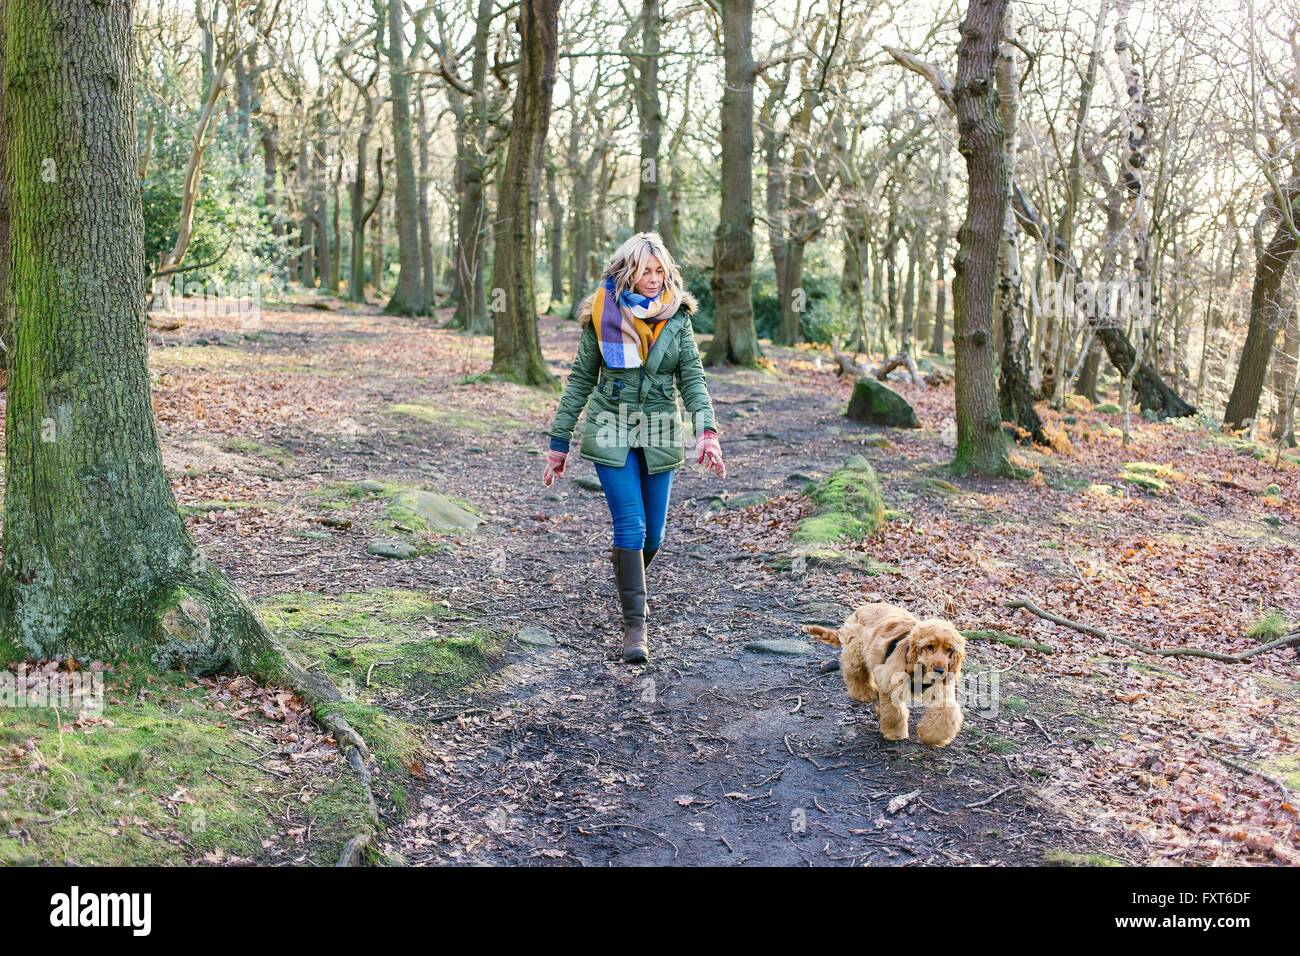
[628, 324]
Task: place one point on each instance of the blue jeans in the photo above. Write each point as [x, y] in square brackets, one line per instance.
[638, 501]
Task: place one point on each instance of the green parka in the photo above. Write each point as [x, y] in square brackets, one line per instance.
[636, 407]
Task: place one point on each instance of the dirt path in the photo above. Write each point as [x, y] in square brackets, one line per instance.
[712, 754]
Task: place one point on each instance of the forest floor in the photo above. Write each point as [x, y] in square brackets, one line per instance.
[482, 666]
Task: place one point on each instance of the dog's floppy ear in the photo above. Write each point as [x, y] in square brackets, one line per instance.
[911, 647]
[958, 654]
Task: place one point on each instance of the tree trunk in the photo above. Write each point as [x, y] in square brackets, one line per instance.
[1088, 375]
[378, 262]
[408, 298]
[646, 70]
[909, 290]
[516, 352]
[307, 237]
[1015, 391]
[851, 278]
[1284, 380]
[426, 225]
[735, 339]
[320, 205]
[1265, 322]
[98, 563]
[555, 235]
[580, 206]
[981, 447]
[360, 209]
[6, 323]
[472, 154]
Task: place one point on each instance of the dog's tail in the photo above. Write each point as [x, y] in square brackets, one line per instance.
[825, 634]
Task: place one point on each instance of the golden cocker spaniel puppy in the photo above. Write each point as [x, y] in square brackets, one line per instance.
[892, 658]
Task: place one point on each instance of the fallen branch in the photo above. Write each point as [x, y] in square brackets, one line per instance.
[902, 358]
[1033, 608]
[1249, 771]
[848, 366]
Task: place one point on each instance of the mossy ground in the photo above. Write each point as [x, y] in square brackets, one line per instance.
[167, 777]
[1150, 476]
[387, 650]
[1271, 625]
[246, 446]
[1067, 858]
[164, 778]
[456, 419]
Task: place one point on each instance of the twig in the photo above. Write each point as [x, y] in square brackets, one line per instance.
[1032, 608]
[1242, 768]
[980, 803]
[1042, 731]
[633, 826]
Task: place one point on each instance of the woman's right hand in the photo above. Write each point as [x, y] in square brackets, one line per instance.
[554, 466]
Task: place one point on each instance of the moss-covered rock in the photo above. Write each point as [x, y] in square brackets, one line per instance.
[430, 512]
[850, 505]
[874, 403]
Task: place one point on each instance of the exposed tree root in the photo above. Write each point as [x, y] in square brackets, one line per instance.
[323, 697]
[1033, 608]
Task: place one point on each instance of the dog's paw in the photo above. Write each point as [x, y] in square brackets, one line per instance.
[939, 726]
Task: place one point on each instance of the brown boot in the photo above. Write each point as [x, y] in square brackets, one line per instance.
[629, 572]
[646, 557]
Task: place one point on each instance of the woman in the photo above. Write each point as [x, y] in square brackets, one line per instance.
[636, 352]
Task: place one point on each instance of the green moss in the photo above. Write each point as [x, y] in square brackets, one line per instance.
[850, 505]
[1153, 468]
[205, 507]
[393, 741]
[1068, 858]
[382, 645]
[351, 615]
[998, 744]
[455, 418]
[811, 557]
[1149, 475]
[1107, 408]
[1270, 626]
[938, 486]
[167, 780]
[1000, 637]
[246, 446]
[345, 492]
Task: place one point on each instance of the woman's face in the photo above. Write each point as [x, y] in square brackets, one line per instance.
[652, 278]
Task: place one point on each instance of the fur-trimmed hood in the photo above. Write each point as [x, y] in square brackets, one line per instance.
[690, 305]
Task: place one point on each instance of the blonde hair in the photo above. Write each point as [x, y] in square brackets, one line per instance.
[631, 258]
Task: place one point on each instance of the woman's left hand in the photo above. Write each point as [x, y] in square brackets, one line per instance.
[711, 453]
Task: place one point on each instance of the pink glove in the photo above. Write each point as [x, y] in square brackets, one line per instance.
[711, 453]
[554, 466]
